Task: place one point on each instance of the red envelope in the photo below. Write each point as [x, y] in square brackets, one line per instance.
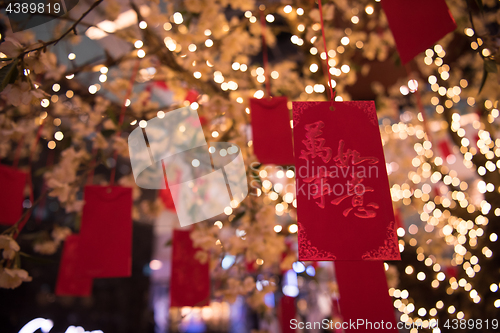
[417, 25]
[344, 206]
[272, 135]
[364, 296]
[12, 182]
[70, 281]
[286, 313]
[190, 281]
[106, 232]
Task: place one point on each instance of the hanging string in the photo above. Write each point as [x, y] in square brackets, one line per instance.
[122, 117]
[420, 105]
[41, 205]
[326, 65]
[264, 53]
[90, 177]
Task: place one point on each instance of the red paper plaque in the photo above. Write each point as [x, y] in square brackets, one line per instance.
[417, 25]
[190, 280]
[286, 313]
[70, 280]
[12, 182]
[106, 232]
[344, 204]
[272, 135]
[364, 297]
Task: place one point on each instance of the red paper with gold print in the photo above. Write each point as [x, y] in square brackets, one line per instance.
[12, 182]
[106, 232]
[344, 204]
[272, 135]
[364, 296]
[70, 280]
[417, 25]
[190, 281]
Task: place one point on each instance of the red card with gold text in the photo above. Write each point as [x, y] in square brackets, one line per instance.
[344, 207]
[272, 135]
[417, 25]
[106, 232]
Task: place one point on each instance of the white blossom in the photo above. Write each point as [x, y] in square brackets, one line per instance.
[12, 278]
[9, 247]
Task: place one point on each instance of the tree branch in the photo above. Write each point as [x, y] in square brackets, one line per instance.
[71, 29]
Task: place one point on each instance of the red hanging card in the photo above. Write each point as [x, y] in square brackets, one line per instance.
[344, 204]
[106, 232]
[190, 281]
[272, 135]
[364, 296]
[445, 148]
[287, 312]
[166, 197]
[12, 182]
[417, 25]
[70, 280]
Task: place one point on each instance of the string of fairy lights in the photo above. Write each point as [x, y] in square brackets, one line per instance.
[435, 217]
[429, 168]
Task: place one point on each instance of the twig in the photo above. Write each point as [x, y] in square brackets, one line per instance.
[71, 29]
[26, 213]
[66, 18]
[167, 58]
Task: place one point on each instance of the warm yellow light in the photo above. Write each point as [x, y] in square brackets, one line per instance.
[58, 135]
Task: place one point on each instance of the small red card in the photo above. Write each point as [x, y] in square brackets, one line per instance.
[272, 135]
[364, 296]
[344, 207]
[106, 232]
[445, 148]
[70, 280]
[12, 182]
[417, 25]
[287, 313]
[190, 281]
[167, 195]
